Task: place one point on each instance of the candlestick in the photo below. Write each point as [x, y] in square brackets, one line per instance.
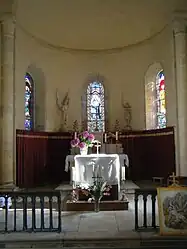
[105, 138]
[75, 135]
[116, 135]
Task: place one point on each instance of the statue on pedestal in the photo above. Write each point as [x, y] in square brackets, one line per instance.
[63, 107]
[75, 126]
[117, 125]
[127, 115]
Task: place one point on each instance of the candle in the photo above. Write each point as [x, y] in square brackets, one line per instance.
[75, 135]
[105, 138]
[97, 147]
[116, 135]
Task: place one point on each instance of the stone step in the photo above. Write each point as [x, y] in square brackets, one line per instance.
[103, 205]
[126, 243]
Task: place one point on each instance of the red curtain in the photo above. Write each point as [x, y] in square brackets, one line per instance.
[58, 148]
[41, 158]
[31, 157]
[151, 153]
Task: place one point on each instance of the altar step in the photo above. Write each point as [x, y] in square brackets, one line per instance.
[126, 241]
[66, 190]
[103, 206]
[129, 186]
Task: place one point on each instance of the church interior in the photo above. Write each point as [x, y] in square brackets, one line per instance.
[87, 83]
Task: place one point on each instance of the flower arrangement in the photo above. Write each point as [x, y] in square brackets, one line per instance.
[97, 190]
[83, 139]
[94, 192]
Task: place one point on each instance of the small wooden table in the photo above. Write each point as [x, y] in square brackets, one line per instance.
[158, 179]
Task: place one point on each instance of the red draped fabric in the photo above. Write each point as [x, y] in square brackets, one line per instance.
[31, 157]
[57, 149]
[40, 158]
[151, 153]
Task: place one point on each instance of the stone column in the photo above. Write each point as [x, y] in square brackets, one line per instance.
[7, 101]
[180, 46]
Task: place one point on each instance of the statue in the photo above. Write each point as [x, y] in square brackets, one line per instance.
[127, 115]
[117, 125]
[63, 108]
[75, 126]
[83, 125]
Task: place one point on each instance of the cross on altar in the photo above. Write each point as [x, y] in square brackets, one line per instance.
[97, 146]
[173, 178]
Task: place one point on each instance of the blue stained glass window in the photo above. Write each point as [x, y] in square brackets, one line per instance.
[95, 107]
[28, 102]
[160, 99]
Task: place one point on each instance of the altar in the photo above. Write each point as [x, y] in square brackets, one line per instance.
[90, 166]
[123, 163]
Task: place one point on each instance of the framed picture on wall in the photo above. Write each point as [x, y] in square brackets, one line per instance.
[172, 208]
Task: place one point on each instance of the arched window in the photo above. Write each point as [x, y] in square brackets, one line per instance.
[150, 106]
[155, 101]
[95, 106]
[29, 101]
[160, 100]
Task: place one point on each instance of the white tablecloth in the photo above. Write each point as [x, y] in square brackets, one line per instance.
[88, 166]
[123, 158]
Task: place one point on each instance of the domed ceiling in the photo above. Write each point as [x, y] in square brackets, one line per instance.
[95, 24]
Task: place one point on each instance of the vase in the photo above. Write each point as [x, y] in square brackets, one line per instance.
[97, 204]
[84, 151]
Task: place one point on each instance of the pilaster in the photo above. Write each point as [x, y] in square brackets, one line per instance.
[180, 41]
[7, 100]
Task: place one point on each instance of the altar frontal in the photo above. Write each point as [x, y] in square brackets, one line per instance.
[106, 166]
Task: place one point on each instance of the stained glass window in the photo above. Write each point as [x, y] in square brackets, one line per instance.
[28, 102]
[150, 105]
[95, 107]
[160, 100]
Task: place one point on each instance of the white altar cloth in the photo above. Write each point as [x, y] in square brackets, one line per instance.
[124, 162]
[106, 166]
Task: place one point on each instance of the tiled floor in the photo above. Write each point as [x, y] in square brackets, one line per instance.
[113, 221]
[84, 229]
[81, 225]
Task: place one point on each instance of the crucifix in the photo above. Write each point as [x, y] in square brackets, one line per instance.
[173, 178]
[97, 146]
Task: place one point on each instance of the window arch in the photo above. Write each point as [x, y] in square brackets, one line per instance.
[155, 102]
[95, 107]
[160, 100]
[29, 102]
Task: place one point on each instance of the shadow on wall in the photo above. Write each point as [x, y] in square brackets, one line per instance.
[39, 96]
